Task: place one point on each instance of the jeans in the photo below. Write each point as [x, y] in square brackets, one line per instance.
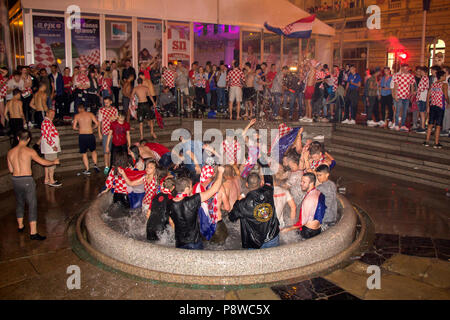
[193, 246]
[372, 108]
[25, 190]
[221, 102]
[402, 104]
[352, 102]
[286, 95]
[276, 103]
[275, 242]
[386, 101]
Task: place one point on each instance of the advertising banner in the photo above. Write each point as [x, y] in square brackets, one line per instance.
[49, 46]
[86, 43]
[178, 44]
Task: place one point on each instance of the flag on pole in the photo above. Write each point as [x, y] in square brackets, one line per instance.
[299, 29]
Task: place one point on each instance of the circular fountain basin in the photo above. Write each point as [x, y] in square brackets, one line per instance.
[224, 267]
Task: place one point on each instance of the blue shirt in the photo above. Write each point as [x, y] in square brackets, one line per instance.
[196, 148]
[385, 83]
[353, 78]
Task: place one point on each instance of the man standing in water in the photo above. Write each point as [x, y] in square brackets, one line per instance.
[144, 110]
[19, 164]
[86, 138]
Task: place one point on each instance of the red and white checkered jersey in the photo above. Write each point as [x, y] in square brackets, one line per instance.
[423, 86]
[235, 78]
[403, 81]
[200, 80]
[230, 150]
[49, 132]
[437, 95]
[81, 81]
[104, 116]
[3, 87]
[150, 190]
[116, 182]
[335, 81]
[169, 78]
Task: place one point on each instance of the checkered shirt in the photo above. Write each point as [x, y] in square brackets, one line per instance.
[231, 150]
[235, 78]
[207, 172]
[424, 84]
[437, 95]
[104, 116]
[116, 182]
[169, 78]
[403, 81]
[3, 87]
[335, 82]
[81, 81]
[49, 132]
[150, 190]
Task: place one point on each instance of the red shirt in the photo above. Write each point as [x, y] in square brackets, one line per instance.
[119, 133]
[158, 148]
[270, 76]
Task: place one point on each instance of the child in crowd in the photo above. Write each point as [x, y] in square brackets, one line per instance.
[328, 189]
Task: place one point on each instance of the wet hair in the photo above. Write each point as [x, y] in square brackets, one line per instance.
[121, 114]
[311, 177]
[122, 159]
[135, 151]
[228, 172]
[285, 68]
[143, 141]
[16, 73]
[323, 168]
[16, 91]
[253, 180]
[24, 135]
[293, 156]
[182, 183]
[80, 106]
[315, 148]
[107, 98]
[169, 183]
[139, 81]
[440, 74]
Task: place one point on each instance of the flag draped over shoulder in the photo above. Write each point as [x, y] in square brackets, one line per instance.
[299, 29]
[285, 138]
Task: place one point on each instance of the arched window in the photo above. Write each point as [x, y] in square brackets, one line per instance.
[440, 47]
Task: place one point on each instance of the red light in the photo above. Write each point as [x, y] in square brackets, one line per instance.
[402, 55]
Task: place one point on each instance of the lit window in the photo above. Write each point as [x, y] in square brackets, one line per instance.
[440, 48]
[390, 59]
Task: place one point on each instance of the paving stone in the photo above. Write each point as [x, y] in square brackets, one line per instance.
[408, 266]
[15, 271]
[396, 287]
[52, 261]
[231, 295]
[438, 274]
[358, 267]
[353, 283]
[257, 294]
[148, 291]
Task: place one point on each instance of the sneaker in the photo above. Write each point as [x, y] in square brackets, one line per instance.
[30, 125]
[381, 123]
[346, 121]
[55, 184]
[106, 171]
[352, 122]
[437, 146]
[319, 137]
[426, 144]
[396, 128]
[391, 124]
[404, 129]
[371, 123]
[421, 130]
[37, 236]
[86, 172]
[309, 120]
[97, 169]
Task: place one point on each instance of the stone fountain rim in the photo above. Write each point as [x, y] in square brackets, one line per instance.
[349, 219]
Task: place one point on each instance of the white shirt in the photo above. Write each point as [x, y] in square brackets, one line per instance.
[12, 84]
[114, 78]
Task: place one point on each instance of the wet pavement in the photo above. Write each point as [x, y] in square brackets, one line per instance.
[410, 221]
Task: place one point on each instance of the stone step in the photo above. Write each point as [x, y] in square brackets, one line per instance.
[383, 156]
[386, 134]
[414, 169]
[408, 149]
[384, 170]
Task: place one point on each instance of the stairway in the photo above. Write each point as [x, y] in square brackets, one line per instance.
[391, 153]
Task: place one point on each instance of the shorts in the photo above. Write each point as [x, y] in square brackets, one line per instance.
[185, 91]
[50, 157]
[104, 141]
[309, 92]
[87, 142]
[144, 112]
[248, 94]
[191, 91]
[422, 106]
[235, 94]
[436, 116]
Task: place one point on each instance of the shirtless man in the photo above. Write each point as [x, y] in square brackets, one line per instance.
[232, 184]
[144, 110]
[127, 88]
[16, 117]
[309, 90]
[19, 165]
[86, 138]
[39, 104]
[249, 90]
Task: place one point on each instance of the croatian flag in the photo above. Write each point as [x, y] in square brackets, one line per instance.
[299, 29]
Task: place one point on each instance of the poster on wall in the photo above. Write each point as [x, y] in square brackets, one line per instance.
[149, 41]
[49, 41]
[86, 43]
[178, 44]
[118, 41]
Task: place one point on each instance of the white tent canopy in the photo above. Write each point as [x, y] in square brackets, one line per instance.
[246, 13]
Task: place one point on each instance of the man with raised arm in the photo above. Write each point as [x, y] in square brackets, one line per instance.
[19, 165]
